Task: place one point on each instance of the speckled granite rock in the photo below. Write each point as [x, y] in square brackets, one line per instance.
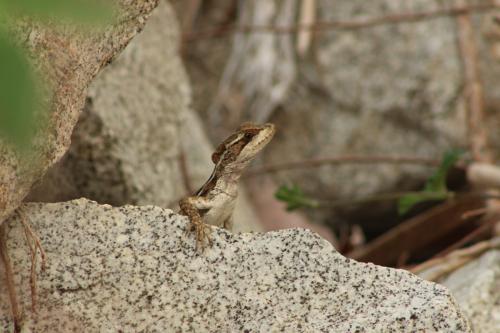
[133, 269]
[70, 61]
[476, 287]
[125, 148]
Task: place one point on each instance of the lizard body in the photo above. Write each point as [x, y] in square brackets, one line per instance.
[214, 202]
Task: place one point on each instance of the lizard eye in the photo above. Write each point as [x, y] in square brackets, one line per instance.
[215, 157]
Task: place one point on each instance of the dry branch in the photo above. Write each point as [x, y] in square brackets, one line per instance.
[183, 167]
[344, 159]
[355, 24]
[188, 19]
[407, 237]
[484, 175]
[307, 17]
[9, 278]
[34, 246]
[442, 266]
[485, 229]
[190, 13]
[478, 138]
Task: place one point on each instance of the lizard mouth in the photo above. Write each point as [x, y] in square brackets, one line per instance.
[255, 138]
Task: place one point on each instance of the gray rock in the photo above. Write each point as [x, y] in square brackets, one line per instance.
[135, 269]
[393, 89]
[126, 146]
[476, 287]
[69, 60]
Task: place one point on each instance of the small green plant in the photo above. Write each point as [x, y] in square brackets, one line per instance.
[435, 188]
[19, 96]
[294, 198]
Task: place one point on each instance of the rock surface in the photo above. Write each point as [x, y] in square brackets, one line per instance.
[134, 269]
[127, 144]
[476, 287]
[69, 61]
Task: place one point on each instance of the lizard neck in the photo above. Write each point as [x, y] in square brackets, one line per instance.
[223, 176]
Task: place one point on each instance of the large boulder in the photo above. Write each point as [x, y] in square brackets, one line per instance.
[136, 269]
[69, 60]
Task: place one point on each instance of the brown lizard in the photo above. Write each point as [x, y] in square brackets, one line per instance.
[214, 202]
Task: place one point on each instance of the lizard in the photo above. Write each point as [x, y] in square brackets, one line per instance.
[214, 202]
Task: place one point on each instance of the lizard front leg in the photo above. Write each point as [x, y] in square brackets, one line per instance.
[191, 207]
[228, 223]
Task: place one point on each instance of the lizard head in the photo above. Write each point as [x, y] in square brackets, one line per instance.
[244, 144]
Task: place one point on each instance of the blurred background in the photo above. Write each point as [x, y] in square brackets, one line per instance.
[368, 98]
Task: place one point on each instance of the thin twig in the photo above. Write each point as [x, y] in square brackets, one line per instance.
[307, 16]
[9, 279]
[344, 159]
[451, 266]
[34, 245]
[182, 158]
[480, 231]
[455, 260]
[355, 24]
[430, 196]
[32, 235]
[380, 197]
[183, 166]
[33, 257]
[190, 12]
[474, 213]
[478, 138]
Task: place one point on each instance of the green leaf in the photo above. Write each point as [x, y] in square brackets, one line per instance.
[294, 198]
[406, 202]
[81, 11]
[17, 94]
[435, 187]
[437, 182]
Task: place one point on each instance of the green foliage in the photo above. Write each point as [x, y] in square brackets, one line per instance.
[437, 181]
[18, 93]
[77, 11]
[435, 187]
[294, 198]
[409, 200]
